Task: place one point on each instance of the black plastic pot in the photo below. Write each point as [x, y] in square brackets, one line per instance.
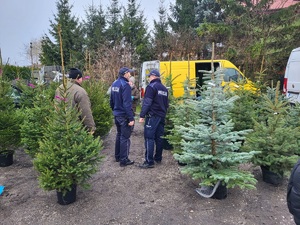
[6, 159]
[221, 192]
[166, 144]
[271, 177]
[68, 198]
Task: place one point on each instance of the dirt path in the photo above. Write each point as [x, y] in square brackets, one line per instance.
[130, 195]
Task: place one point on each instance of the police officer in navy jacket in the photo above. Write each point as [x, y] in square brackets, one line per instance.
[293, 193]
[153, 113]
[121, 104]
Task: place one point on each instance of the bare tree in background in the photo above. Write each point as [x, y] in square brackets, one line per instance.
[108, 62]
[33, 51]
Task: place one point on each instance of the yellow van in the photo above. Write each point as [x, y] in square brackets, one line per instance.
[193, 71]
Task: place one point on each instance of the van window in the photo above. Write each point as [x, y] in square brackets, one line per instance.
[231, 74]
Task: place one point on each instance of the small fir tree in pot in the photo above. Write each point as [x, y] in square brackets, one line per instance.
[9, 124]
[276, 138]
[210, 145]
[68, 154]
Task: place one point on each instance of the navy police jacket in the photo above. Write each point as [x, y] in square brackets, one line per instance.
[156, 101]
[293, 191]
[120, 98]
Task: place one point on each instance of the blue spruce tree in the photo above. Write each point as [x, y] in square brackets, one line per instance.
[210, 147]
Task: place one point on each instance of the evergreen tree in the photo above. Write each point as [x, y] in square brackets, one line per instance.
[295, 115]
[183, 112]
[210, 145]
[114, 29]
[134, 30]
[9, 120]
[183, 15]
[274, 136]
[94, 28]
[161, 33]
[208, 11]
[244, 110]
[68, 154]
[33, 125]
[255, 36]
[72, 38]
[101, 110]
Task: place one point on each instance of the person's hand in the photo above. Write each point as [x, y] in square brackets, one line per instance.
[142, 120]
[131, 123]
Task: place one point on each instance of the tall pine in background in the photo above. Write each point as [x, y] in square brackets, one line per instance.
[73, 40]
[135, 34]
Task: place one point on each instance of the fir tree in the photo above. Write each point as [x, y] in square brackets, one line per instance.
[32, 127]
[72, 34]
[68, 154]
[135, 36]
[210, 145]
[9, 120]
[103, 117]
[94, 28]
[274, 136]
[161, 33]
[114, 29]
[183, 15]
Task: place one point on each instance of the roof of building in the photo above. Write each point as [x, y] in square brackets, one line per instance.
[279, 4]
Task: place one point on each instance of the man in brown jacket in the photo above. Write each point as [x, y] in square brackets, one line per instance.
[79, 98]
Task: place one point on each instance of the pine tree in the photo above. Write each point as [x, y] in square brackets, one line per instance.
[134, 30]
[161, 33]
[114, 29]
[183, 15]
[72, 34]
[210, 145]
[94, 28]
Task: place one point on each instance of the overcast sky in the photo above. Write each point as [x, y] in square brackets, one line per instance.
[24, 21]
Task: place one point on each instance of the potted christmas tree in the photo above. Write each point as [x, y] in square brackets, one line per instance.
[68, 155]
[9, 124]
[275, 137]
[209, 146]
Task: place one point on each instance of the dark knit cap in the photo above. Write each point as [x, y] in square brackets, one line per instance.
[75, 73]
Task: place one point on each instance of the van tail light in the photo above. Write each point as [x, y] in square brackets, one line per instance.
[142, 92]
[284, 90]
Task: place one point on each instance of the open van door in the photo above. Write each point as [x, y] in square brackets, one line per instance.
[292, 77]
[146, 68]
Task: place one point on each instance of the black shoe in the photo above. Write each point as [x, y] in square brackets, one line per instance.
[117, 160]
[146, 165]
[126, 163]
[158, 161]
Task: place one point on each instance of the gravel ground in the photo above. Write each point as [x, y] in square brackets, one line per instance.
[130, 195]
